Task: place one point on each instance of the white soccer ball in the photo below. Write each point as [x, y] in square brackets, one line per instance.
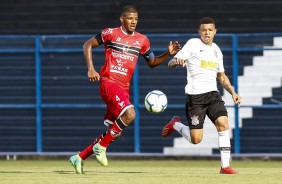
[156, 101]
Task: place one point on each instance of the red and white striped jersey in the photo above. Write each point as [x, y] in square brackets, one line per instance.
[121, 54]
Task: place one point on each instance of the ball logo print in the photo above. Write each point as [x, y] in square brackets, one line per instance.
[156, 101]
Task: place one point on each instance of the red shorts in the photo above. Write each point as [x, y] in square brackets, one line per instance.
[116, 98]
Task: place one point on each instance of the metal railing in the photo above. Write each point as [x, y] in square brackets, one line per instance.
[234, 48]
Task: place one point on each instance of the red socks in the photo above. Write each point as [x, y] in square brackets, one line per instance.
[105, 139]
[113, 132]
[87, 152]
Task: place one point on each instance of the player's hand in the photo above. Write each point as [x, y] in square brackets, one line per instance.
[236, 99]
[180, 62]
[93, 75]
[173, 48]
[176, 62]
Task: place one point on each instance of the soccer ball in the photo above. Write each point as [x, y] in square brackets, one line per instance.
[155, 101]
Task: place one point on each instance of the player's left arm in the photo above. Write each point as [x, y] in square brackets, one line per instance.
[225, 82]
[173, 48]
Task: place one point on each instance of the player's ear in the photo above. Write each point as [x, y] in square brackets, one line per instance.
[121, 19]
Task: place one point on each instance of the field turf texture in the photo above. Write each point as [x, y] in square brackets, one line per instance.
[139, 172]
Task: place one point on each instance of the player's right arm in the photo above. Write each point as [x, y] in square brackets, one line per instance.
[93, 75]
[174, 62]
[181, 57]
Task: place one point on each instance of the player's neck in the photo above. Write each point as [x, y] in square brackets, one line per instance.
[126, 32]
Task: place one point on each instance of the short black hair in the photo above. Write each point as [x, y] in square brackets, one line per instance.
[207, 20]
[129, 9]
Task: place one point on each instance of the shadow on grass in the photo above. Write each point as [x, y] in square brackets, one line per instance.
[15, 172]
[117, 172]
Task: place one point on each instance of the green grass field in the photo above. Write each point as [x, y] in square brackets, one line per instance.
[138, 172]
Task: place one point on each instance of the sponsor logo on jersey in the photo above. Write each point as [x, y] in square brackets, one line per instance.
[125, 49]
[119, 70]
[107, 31]
[209, 64]
[120, 62]
[122, 56]
[136, 43]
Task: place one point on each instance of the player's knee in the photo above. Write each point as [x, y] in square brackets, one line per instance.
[196, 140]
[129, 115]
[221, 124]
[222, 127]
[196, 136]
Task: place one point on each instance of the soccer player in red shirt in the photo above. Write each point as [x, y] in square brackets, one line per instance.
[122, 48]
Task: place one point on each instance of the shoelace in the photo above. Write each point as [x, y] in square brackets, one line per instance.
[99, 151]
